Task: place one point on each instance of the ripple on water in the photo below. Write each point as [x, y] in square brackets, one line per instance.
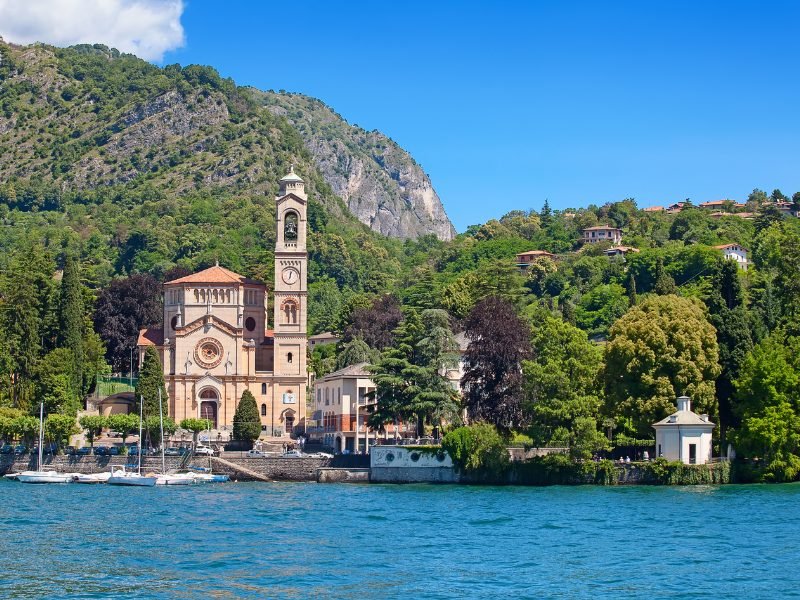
[340, 541]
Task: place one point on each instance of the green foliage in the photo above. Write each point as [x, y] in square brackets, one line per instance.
[92, 424]
[662, 348]
[246, 422]
[195, 426]
[478, 450]
[663, 472]
[560, 378]
[354, 352]
[58, 428]
[71, 323]
[768, 404]
[152, 426]
[151, 383]
[124, 424]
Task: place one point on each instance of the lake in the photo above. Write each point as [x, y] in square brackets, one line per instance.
[258, 540]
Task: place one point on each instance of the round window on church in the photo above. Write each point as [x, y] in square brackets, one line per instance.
[250, 323]
[208, 353]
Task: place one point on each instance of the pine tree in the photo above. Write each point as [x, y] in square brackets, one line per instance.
[246, 422]
[70, 322]
[151, 380]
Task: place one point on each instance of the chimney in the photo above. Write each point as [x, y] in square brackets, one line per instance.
[684, 403]
[704, 416]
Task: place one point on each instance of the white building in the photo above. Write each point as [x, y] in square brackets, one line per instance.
[684, 436]
[602, 233]
[735, 252]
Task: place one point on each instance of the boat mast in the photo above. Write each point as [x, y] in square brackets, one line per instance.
[161, 419]
[141, 408]
[41, 435]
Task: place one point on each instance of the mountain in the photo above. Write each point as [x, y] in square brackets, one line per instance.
[85, 117]
[380, 182]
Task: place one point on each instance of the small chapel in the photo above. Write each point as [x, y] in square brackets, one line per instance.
[215, 341]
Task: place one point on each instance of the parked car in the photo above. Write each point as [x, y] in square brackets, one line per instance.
[172, 451]
[20, 449]
[70, 450]
[183, 450]
[85, 451]
[203, 451]
[113, 451]
[255, 454]
[6, 449]
[293, 454]
[100, 451]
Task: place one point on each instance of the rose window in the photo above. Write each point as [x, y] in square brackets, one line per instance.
[208, 353]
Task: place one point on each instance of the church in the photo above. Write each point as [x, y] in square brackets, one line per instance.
[215, 341]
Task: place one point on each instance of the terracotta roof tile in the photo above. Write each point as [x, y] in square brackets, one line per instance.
[152, 336]
[215, 274]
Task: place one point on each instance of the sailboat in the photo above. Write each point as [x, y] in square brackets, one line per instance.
[119, 476]
[40, 476]
[206, 474]
[169, 478]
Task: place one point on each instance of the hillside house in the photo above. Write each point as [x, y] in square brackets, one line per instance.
[602, 233]
[734, 252]
[525, 259]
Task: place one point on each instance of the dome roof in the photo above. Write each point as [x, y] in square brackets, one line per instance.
[291, 176]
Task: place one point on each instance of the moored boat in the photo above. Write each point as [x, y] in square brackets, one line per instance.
[122, 477]
[92, 477]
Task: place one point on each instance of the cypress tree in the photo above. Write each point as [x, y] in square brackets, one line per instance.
[70, 321]
[246, 422]
[632, 299]
[151, 379]
[665, 284]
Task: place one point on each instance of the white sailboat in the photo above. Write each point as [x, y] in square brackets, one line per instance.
[40, 476]
[120, 476]
[170, 478]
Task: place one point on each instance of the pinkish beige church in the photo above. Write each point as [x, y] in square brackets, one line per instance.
[215, 341]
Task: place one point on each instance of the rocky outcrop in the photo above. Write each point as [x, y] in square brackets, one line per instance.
[380, 182]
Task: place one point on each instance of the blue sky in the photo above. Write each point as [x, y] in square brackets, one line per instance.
[505, 104]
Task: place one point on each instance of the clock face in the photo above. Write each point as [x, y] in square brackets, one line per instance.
[290, 276]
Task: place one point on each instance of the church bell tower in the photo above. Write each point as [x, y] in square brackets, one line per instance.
[290, 303]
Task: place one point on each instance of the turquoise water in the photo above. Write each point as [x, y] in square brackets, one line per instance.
[371, 541]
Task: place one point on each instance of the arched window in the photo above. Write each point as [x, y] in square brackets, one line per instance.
[289, 309]
[263, 388]
[263, 410]
[290, 227]
[289, 358]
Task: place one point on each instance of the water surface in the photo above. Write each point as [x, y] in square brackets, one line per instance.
[258, 540]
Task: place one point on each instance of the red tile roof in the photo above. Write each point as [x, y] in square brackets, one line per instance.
[152, 336]
[215, 274]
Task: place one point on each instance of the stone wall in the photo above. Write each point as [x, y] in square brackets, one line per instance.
[332, 475]
[279, 469]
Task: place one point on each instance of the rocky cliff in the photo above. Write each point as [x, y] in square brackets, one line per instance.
[380, 182]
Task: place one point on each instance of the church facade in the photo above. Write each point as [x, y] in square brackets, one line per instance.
[215, 341]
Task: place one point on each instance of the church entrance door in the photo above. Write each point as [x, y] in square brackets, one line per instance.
[208, 406]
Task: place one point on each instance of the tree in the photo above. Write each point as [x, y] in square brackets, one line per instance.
[376, 323]
[664, 284]
[151, 381]
[70, 320]
[560, 378]
[477, 449]
[600, 308]
[768, 403]
[631, 288]
[58, 428]
[123, 308]
[124, 424]
[54, 383]
[410, 378]
[729, 317]
[498, 343]
[246, 422]
[196, 426]
[153, 425]
[660, 349]
[354, 352]
[93, 424]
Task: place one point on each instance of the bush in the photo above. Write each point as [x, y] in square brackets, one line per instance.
[662, 472]
[477, 450]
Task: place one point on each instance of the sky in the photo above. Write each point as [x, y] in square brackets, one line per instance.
[504, 104]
